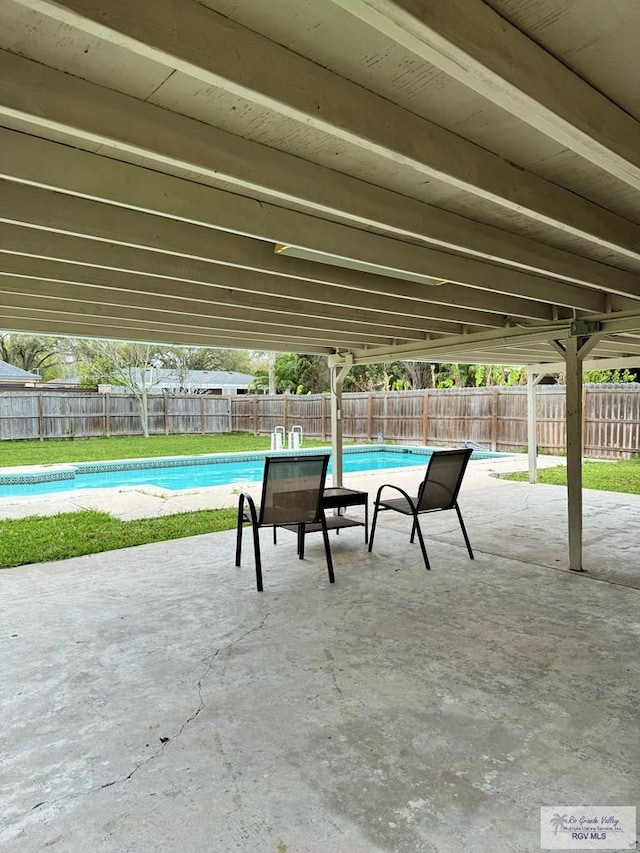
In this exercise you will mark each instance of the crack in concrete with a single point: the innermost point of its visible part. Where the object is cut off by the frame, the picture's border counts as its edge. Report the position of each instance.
(210, 661)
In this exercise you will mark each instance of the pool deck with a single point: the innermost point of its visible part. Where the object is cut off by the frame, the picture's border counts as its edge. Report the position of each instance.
(149, 501)
(154, 701)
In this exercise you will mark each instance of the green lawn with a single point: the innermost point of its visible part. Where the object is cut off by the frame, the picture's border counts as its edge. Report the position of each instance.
(130, 447)
(622, 476)
(38, 539)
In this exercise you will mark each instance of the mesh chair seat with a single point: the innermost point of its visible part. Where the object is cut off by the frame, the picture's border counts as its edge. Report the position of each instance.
(400, 505)
(438, 492)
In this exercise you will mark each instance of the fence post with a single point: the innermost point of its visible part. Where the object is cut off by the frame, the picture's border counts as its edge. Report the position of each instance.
(284, 412)
(165, 408)
(254, 408)
(202, 421)
(369, 417)
(230, 416)
(494, 419)
(40, 417)
(425, 417)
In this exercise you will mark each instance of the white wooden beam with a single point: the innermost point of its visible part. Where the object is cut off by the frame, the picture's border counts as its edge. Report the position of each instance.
(99, 262)
(449, 302)
(523, 356)
(127, 128)
(228, 212)
(476, 46)
(205, 321)
(54, 323)
(502, 340)
(48, 278)
(32, 292)
(35, 207)
(218, 52)
(499, 340)
(613, 363)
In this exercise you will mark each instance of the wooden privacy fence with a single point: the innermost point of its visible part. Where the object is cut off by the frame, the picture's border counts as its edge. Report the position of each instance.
(63, 415)
(493, 417)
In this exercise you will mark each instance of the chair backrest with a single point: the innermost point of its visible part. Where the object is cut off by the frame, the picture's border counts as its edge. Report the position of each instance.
(440, 487)
(292, 489)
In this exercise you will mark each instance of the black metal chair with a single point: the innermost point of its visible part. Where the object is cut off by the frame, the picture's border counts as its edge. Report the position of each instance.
(438, 491)
(292, 490)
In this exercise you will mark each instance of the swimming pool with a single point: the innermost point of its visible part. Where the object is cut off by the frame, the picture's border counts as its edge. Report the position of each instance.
(192, 472)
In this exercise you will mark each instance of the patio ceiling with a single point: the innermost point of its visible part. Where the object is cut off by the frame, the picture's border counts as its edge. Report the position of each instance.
(410, 179)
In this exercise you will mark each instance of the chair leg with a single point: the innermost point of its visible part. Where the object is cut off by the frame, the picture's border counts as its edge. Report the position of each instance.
(416, 529)
(275, 535)
(256, 551)
(327, 549)
(413, 530)
(366, 523)
(301, 532)
(252, 518)
(373, 525)
(464, 532)
(239, 526)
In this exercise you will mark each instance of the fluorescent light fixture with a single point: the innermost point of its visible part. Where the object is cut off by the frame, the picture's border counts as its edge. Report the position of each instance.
(354, 264)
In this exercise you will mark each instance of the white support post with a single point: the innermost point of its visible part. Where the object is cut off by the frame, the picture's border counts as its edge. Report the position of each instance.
(533, 378)
(576, 349)
(574, 451)
(532, 432)
(339, 369)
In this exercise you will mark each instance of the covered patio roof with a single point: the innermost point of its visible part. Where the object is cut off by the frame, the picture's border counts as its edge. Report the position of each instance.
(446, 181)
(364, 179)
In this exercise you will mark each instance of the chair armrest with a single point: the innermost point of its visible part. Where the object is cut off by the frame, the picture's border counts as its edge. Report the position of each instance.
(251, 515)
(404, 494)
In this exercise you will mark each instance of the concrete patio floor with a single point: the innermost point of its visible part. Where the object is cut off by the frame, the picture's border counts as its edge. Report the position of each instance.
(154, 701)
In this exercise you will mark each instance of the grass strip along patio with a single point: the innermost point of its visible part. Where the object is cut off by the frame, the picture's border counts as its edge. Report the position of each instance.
(622, 476)
(39, 539)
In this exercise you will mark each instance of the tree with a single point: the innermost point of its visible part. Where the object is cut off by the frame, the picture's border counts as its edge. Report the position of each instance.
(597, 376)
(271, 376)
(313, 374)
(500, 374)
(41, 355)
(99, 370)
(184, 359)
(420, 374)
(292, 373)
(132, 366)
(384, 376)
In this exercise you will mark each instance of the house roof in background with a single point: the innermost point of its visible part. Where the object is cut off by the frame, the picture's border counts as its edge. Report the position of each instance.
(213, 378)
(11, 373)
(384, 178)
(199, 378)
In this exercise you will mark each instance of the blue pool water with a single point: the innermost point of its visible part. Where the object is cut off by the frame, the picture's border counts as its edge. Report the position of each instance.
(176, 474)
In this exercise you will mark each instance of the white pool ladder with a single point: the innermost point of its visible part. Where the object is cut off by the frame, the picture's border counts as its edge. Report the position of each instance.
(277, 438)
(295, 438)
